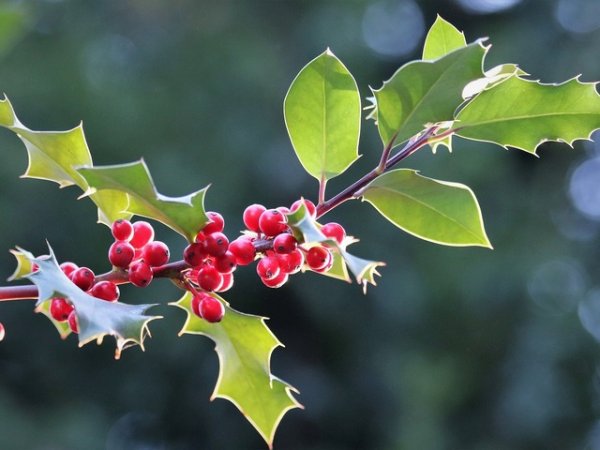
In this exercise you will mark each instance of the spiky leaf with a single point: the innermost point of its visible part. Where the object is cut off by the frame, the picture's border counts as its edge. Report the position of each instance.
(24, 264)
(442, 38)
(96, 318)
(437, 211)
(322, 115)
(523, 113)
(53, 156)
(244, 345)
(423, 92)
(185, 214)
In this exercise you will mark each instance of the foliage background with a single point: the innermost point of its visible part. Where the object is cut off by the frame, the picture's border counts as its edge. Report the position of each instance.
(456, 348)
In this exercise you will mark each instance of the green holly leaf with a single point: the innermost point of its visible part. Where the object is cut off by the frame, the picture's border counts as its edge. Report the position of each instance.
(96, 318)
(185, 215)
(322, 115)
(423, 92)
(442, 38)
(523, 113)
(244, 345)
(437, 211)
(53, 156)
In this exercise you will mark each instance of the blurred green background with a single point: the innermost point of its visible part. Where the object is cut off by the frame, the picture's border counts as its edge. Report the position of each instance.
(454, 349)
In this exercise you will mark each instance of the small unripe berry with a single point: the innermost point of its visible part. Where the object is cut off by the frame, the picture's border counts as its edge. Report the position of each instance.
(211, 309)
(284, 243)
(60, 309)
(227, 282)
(272, 222)
(120, 254)
(105, 290)
(251, 216)
(156, 253)
(194, 254)
(142, 234)
(319, 259)
(310, 207)
(268, 268)
(122, 230)
(216, 223)
(225, 263)
(276, 282)
(216, 244)
(68, 267)
(83, 277)
(244, 250)
(292, 262)
(334, 231)
(140, 274)
(73, 325)
(209, 278)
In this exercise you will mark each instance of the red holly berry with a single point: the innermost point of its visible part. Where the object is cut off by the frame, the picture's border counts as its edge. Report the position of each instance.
(244, 250)
(276, 282)
(60, 309)
(68, 267)
(194, 254)
(211, 309)
(268, 268)
(120, 254)
(216, 244)
(209, 278)
(292, 262)
(319, 259)
(227, 282)
(142, 234)
(226, 263)
(272, 222)
(216, 223)
(310, 206)
(284, 243)
(122, 230)
(156, 253)
(334, 231)
(83, 277)
(105, 290)
(140, 274)
(73, 322)
(196, 299)
(34, 267)
(251, 216)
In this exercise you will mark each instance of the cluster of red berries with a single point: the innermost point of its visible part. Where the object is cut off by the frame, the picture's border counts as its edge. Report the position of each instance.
(134, 250)
(212, 258)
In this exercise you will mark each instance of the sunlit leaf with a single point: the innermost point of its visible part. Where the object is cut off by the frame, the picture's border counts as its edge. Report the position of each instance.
(185, 214)
(244, 345)
(53, 156)
(437, 211)
(322, 115)
(492, 77)
(423, 92)
(442, 38)
(523, 114)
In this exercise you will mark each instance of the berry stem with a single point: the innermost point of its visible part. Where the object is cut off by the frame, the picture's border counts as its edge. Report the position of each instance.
(354, 189)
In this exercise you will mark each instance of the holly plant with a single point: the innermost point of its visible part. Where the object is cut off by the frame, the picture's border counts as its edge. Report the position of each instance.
(426, 103)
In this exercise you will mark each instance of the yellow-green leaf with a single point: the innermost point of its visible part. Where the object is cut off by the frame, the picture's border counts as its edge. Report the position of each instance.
(442, 38)
(437, 211)
(244, 345)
